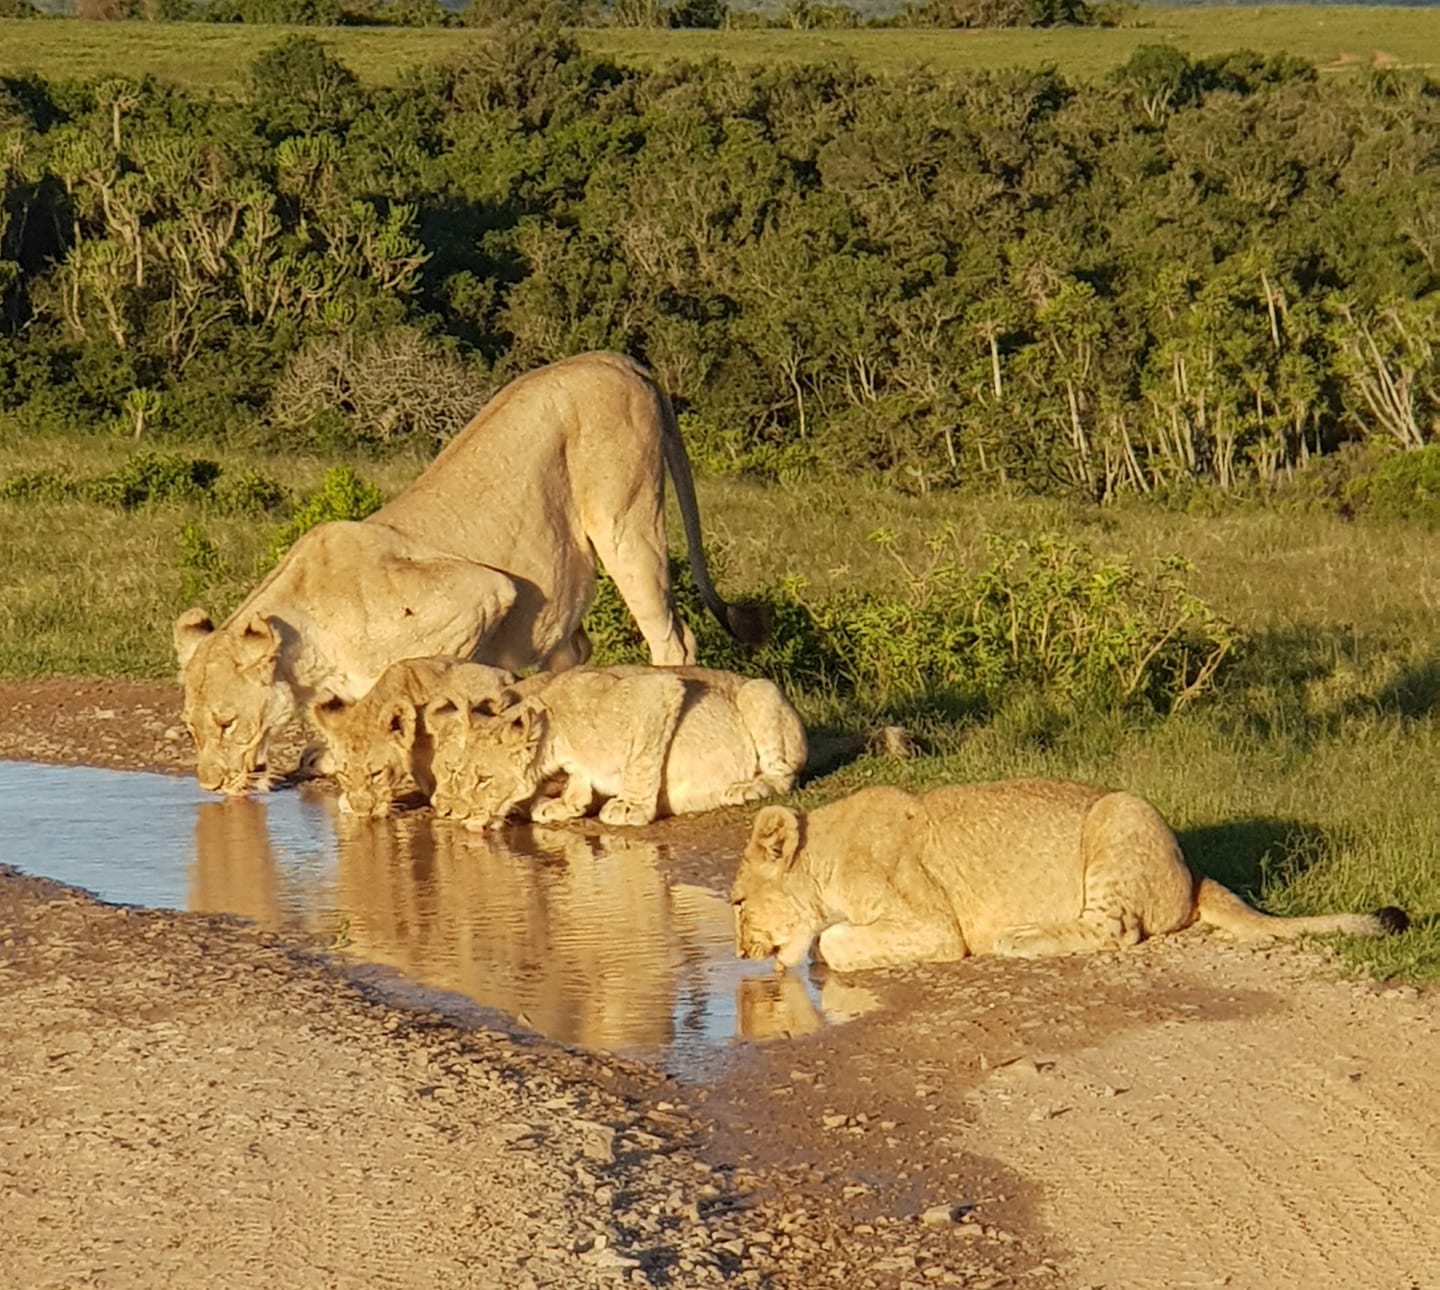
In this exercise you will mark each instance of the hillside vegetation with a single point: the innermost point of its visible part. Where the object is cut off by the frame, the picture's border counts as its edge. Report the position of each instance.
(1194, 273)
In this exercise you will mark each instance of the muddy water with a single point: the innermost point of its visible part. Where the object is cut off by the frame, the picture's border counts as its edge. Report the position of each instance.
(584, 939)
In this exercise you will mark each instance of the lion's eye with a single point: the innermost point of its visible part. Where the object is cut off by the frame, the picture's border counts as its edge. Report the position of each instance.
(225, 724)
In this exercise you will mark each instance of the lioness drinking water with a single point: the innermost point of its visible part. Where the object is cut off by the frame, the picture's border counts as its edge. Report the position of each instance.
(1019, 867)
(645, 741)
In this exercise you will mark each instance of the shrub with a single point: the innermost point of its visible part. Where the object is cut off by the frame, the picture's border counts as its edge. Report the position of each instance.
(153, 477)
(251, 492)
(200, 561)
(342, 495)
(1406, 486)
(399, 384)
(37, 486)
(1044, 614)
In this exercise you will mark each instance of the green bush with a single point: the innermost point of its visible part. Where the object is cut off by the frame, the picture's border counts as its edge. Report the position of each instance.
(201, 563)
(342, 495)
(251, 492)
(37, 486)
(1045, 615)
(1406, 486)
(153, 477)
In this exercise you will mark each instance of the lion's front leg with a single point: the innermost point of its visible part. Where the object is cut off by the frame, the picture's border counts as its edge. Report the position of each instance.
(889, 942)
(573, 801)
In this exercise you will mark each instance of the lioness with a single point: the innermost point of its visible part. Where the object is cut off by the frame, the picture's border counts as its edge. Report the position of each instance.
(489, 555)
(651, 741)
(1020, 867)
(383, 741)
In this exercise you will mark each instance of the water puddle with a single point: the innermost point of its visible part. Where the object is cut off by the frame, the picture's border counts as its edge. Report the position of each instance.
(587, 940)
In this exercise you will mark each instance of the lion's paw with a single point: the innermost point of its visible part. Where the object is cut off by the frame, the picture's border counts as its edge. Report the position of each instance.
(747, 790)
(1026, 941)
(553, 810)
(619, 812)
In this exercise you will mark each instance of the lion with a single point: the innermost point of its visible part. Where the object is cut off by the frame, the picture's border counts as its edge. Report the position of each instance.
(648, 741)
(1026, 868)
(489, 555)
(382, 743)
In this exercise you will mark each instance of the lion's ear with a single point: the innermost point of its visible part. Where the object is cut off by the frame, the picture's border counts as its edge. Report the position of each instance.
(523, 723)
(494, 705)
(327, 709)
(259, 646)
(192, 627)
(400, 724)
(776, 835)
(445, 713)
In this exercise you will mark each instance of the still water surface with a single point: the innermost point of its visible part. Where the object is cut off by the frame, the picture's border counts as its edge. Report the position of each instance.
(587, 940)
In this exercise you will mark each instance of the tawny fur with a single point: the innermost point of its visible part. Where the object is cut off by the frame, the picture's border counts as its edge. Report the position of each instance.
(644, 741)
(1026, 868)
(490, 555)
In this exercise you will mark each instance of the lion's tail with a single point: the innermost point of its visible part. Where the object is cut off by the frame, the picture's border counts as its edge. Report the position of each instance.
(1222, 908)
(748, 624)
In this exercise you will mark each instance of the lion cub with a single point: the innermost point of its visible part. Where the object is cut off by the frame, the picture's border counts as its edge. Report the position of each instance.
(1020, 867)
(650, 741)
(382, 742)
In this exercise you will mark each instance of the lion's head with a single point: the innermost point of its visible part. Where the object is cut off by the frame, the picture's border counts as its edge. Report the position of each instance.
(371, 751)
(233, 699)
(487, 757)
(776, 904)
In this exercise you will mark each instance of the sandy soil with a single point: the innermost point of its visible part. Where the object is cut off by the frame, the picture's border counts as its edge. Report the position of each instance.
(187, 1101)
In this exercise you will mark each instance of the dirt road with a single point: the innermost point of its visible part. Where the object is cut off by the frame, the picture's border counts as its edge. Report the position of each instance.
(186, 1101)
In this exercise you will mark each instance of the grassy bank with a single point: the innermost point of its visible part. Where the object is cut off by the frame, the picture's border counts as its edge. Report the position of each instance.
(217, 57)
(1303, 779)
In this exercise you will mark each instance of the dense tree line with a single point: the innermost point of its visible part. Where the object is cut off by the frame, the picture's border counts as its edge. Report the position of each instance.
(1201, 271)
(804, 15)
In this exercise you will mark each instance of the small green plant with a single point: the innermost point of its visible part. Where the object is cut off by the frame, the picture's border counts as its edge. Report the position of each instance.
(200, 561)
(342, 495)
(252, 492)
(37, 486)
(1044, 615)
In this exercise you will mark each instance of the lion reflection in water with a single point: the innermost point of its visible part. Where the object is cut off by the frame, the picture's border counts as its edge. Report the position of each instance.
(235, 869)
(778, 1006)
(583, 939)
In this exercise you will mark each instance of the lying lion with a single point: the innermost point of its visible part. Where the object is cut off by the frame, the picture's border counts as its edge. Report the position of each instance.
(382, 743)
(649, 741)
(1021, 867)
(489, 555)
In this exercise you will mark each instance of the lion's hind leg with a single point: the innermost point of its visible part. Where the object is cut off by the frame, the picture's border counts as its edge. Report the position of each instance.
(651, 705)
(1094, 930)
(778, 737)
(1136, 884)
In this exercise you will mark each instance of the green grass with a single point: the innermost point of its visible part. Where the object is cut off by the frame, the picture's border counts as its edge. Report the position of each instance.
(1305, 781)
(217, 57)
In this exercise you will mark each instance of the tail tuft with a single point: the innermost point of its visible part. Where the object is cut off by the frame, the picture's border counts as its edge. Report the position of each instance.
(749, 624)
(1392, 920)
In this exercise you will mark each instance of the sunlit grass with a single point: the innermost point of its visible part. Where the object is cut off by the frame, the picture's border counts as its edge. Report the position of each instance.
(216, 57)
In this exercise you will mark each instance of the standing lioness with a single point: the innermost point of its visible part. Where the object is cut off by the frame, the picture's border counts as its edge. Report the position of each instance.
(489, 555)
(1020, 867)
